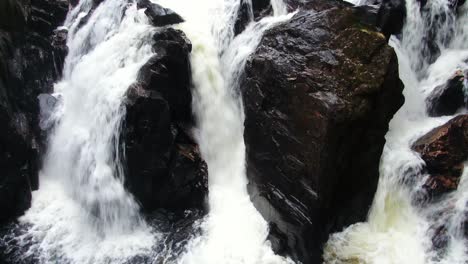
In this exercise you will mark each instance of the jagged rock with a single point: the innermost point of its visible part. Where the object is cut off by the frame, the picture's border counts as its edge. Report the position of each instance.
(47, 15)
(28, 67)
(164, 166)
(446, 99)
(444, 149)
(261, 8)
(318, 93)
(158, 15)
(18, 163)
(244, 17)
(14, 14)
(391, 16)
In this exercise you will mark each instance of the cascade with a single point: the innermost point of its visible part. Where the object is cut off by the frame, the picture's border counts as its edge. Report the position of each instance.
(82, 213)
(234, 232)
(399, 226)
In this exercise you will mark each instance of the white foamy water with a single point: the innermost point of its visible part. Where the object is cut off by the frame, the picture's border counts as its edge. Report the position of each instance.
(398, 230)
(233, 232)
(81, 212)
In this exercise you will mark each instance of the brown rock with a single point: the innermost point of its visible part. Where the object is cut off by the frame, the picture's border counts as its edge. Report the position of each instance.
(164, 168)
(318, 93)
(445, 148)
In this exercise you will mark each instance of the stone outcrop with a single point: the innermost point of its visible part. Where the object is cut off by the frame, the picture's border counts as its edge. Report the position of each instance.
(444, 150)
(318, 92)
(164, 166)
(29, 64)
(447, 98)
(159, 16)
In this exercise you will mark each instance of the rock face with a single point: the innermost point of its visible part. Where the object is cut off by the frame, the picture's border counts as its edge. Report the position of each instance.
(164, 167)
(318, 92)
(29, 64)
(444, 149)
(391, 16)
(158, 15)
(447, 98)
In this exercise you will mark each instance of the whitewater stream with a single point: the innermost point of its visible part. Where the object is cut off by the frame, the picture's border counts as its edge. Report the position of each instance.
(82, 213)
(400, 226)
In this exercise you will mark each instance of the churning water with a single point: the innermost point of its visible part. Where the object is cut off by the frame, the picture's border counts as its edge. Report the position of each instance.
(82, 213)
(234, 232)
(399, 229)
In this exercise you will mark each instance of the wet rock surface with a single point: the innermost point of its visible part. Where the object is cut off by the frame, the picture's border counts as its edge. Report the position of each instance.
(158, 15)
(318, 92)
(29, 64)
(446, 99)
(164, 166)
(391, 16)
(444, 150)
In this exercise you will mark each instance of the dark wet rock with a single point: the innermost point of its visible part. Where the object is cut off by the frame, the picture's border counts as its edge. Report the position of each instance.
(446, 99)
(261, 8)
(60, 48)
(158, 15)
(440, 238)
(47, 15)
(436, 185)
(244, 17)
(444, 149)
(318, 92)
(164, 165)
(73, 3)
(391, 16)
(18, 163)
(14, 14)
(29, 65)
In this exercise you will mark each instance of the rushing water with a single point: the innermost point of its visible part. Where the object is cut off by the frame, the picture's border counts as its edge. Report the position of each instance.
(399, 227)
(234, 232)
(82, 213)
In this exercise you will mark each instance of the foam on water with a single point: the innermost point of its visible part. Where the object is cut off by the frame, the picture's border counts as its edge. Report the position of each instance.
(81, 212)
(234, 232)
(399, 229)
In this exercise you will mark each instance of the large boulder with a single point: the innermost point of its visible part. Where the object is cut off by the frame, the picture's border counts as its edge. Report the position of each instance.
(444, 150)
(28, 67)
(159, 16)
(387, 15)
(164, 165)
(447, 98)
(319, 93)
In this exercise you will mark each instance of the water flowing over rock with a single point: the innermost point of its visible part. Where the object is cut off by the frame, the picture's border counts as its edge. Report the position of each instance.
(446, 99)
(164, 167)
(319, 92)
(158, 15)
(29, 64)
(444, 149)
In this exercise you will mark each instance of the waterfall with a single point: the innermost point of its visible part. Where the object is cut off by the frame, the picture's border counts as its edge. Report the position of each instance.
(234, 232)
(82, 213)
(398, 229)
